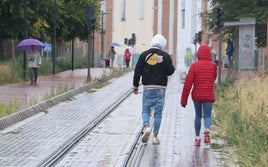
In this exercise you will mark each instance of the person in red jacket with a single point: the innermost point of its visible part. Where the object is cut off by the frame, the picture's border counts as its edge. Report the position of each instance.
(200, 82)
(127, 56)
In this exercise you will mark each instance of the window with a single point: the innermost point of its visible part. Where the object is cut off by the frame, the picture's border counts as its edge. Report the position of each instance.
(183, 14)
(123, 10)
(183, 18)
(142, 8)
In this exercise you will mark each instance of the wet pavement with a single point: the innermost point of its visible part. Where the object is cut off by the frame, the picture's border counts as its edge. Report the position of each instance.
(176, 133)
(177, 136)
(30, 141)
(24, 94)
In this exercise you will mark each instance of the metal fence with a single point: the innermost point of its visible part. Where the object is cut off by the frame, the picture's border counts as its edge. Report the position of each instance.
(62, 50)
(260, 59)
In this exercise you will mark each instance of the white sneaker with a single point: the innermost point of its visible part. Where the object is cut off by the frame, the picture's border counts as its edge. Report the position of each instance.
(146, 135)
(155, 141)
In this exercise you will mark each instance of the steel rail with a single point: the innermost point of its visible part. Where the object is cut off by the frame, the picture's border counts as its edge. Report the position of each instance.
(63, 149)
(137, 149)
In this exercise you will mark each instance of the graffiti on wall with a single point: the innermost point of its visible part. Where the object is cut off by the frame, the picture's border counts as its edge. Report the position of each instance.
(245, 61)
(246, 56)
(188, 57)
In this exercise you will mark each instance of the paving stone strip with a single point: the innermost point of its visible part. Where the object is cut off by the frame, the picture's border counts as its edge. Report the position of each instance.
(68, 77)
(30, 143)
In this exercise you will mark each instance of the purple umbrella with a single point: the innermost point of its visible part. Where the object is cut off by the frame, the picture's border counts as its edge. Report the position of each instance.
(27, 43)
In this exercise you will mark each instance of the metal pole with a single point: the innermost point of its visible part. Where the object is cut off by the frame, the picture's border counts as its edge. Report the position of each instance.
(72, 54)
(102, 35)
(25, 36)
(91, 26)
(89, 53)
(220, 63)
(54, 38)
(92, 49)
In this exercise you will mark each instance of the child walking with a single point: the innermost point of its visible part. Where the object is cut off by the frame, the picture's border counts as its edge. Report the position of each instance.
(200, 81)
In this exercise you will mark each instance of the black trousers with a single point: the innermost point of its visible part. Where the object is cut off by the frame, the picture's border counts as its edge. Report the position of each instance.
(33, 74)
(107, 64)
(127, 62)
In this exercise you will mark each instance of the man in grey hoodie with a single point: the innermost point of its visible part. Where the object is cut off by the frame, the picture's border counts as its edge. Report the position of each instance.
(154, 66)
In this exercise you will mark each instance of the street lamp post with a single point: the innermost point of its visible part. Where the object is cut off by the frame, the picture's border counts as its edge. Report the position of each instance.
(89, 54)
(220, 24)
(102, 33)
(220, 64)
(25, 36)
(54, 39)
(91, 27)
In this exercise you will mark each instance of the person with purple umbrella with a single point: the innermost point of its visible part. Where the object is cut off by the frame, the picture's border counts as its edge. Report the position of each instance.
(34, 62)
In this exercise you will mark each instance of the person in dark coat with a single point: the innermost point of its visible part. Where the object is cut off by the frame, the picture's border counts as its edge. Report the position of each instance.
(200, 82)
(154, 66)
(229, 51)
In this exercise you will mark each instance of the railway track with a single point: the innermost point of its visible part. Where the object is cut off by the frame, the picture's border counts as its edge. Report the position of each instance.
(135, 149)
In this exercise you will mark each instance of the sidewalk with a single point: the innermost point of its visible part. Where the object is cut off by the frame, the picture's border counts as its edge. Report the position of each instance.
(25, 94)
(28, 143)
(110, 144)
(177, 136)
(31, 99)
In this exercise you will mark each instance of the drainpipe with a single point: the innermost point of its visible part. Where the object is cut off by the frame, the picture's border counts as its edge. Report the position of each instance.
(159, 21)
(171, 28)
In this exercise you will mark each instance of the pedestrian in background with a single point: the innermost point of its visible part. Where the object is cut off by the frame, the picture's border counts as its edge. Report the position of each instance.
(107, 62)
(127, 56)
(111, 56)
(154, 66)
(200, 81)
(34, 62)
(229, 51)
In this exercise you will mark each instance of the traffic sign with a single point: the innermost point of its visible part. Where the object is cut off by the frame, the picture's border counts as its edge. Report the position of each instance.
(47, 47)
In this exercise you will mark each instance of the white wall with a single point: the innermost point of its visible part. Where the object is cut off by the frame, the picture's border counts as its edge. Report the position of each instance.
(192, 26)
(143, 29)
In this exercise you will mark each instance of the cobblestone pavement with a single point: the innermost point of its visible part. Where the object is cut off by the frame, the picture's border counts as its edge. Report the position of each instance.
(110, 143)
(25, 94)
(30, 141)
(177, 136)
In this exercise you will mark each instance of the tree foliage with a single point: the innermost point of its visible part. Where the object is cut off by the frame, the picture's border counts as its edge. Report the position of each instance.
(37, 17)
(235, 10)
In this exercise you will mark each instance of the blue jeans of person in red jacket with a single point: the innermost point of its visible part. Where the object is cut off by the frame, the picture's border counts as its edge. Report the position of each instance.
(205, 109)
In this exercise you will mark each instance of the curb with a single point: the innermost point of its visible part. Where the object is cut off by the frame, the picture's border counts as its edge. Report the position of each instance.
(41, 107)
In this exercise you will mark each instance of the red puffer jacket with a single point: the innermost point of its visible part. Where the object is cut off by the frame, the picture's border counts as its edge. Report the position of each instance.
(200, 78)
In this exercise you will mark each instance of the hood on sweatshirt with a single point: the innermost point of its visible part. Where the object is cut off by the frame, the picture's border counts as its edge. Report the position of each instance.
(204, 52)
(158, 41)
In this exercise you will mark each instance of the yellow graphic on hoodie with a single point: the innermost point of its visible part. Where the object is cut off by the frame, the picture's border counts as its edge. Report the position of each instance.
(154, 59)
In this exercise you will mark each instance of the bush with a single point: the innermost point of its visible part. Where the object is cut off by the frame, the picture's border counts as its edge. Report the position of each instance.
(242, 118)
(9, 73)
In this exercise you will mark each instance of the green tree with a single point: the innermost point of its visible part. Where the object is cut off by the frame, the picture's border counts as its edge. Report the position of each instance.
(11, 21)
(37, 16)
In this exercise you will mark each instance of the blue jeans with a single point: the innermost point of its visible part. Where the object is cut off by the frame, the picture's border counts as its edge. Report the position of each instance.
(206, 108)
(153, 98)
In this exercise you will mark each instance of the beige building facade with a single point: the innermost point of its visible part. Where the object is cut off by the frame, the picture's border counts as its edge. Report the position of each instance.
(144, 18)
